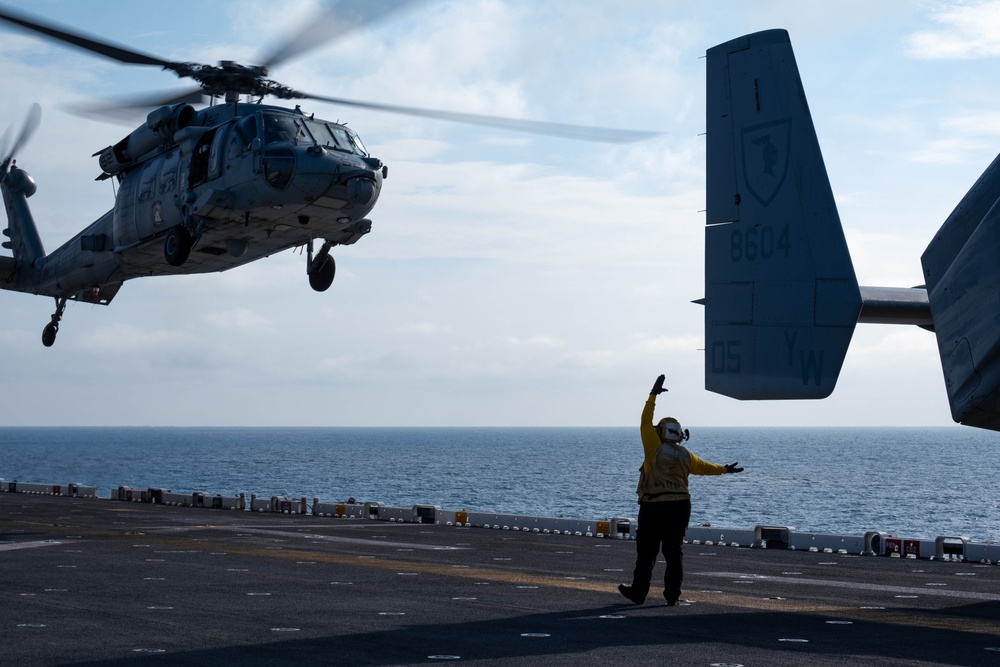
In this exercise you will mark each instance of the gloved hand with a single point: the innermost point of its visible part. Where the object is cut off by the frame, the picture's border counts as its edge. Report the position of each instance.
(733, 467)
(658, 387)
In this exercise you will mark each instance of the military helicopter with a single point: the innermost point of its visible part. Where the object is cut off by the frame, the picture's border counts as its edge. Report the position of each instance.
(210, 189)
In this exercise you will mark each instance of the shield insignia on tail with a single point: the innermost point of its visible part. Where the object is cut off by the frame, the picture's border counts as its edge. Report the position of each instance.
(765, 158)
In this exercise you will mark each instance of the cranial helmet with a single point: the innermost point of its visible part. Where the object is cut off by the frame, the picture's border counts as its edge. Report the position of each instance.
(669, 430)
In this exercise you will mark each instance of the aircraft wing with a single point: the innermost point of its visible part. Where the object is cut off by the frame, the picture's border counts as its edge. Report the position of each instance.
(962, 274)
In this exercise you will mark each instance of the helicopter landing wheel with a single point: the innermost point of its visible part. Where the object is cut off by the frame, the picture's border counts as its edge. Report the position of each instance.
(177, 246)
(52, 328)
(49, 334)
(321, 279)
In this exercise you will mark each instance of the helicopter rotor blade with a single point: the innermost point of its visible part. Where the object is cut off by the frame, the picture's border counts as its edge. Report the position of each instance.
(331, 23)
(563, 130)
(100, 47)
(231, 77)
(134, 108)
(31, 122)
(4, 140)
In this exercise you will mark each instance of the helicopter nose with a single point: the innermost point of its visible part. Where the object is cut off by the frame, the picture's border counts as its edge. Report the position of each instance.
(352, 179)
(346, 183)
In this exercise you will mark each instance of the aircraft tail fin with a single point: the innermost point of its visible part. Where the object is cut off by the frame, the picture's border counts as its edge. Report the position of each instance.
(21, 233)
(781, 296)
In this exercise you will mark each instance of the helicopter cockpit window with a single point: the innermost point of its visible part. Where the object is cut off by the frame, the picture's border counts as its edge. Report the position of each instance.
(356, 141)
(321, 133)
(280, 128)
(147, 186)
(246, 131)
(336, 136)
(279, 166)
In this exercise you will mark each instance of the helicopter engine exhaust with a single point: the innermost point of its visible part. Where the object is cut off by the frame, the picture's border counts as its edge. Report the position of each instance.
(161, 125)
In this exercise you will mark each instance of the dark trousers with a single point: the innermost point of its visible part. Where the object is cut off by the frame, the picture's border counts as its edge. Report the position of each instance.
(661, 527)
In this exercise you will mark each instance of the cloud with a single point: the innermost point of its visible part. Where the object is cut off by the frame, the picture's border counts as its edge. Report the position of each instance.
(654, 345)
(968, 30)
(535, 341)
(426, 328)
(982, 123)
(943, 151)
(240, 318)
(886, 259)
(884, 348)
(127, 339)
(964, 137)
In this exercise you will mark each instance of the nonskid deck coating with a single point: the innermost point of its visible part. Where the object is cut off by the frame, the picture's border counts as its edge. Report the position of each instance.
(86, 581)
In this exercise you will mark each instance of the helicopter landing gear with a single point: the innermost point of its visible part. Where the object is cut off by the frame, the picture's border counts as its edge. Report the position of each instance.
(52, 328)
(322, 268)
(177, 245)
(321, 279)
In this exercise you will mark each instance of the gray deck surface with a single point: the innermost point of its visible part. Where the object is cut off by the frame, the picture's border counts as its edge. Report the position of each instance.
(86, 581)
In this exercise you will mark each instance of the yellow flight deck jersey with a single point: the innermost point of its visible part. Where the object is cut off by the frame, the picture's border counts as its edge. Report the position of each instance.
(664, 473)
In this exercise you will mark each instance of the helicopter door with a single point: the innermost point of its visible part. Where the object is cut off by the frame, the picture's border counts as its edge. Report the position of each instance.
(124, 224)
(157, 187)
(147, 191)
(168, 174)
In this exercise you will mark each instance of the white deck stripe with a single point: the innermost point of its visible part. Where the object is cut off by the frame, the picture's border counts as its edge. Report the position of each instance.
(909, 590)
(14, 546)
(342, 540)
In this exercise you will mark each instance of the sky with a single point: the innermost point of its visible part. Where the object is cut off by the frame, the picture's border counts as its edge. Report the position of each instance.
(508, 279)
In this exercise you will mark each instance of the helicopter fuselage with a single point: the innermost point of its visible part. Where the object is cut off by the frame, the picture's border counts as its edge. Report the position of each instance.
(240, 181)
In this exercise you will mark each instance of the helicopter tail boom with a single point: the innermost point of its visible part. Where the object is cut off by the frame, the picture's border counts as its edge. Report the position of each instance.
(65, 275)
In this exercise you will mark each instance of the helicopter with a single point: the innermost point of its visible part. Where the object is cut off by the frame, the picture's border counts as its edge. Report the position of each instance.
(209, 189)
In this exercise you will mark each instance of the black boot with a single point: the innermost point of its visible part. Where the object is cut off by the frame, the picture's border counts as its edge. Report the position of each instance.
(632, 595)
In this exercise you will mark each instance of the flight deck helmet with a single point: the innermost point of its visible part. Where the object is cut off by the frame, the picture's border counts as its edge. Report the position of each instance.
(669, 430)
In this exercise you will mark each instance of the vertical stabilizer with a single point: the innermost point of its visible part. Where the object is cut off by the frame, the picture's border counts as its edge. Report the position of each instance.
(781, 297)
(21, 233)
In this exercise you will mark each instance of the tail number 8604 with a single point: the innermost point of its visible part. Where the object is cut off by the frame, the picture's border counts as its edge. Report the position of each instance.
(758, 242)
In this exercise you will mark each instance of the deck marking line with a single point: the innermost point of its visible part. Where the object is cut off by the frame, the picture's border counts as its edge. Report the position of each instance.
(909, 590)
(14, 546)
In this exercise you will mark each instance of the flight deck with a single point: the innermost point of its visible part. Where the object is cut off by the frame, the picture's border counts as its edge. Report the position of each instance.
(93, 581)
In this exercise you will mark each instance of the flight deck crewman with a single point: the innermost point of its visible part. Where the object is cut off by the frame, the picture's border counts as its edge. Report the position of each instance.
(664, 500)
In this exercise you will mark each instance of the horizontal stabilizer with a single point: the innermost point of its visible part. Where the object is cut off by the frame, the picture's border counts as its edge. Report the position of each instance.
(781, 296)
(8, 265)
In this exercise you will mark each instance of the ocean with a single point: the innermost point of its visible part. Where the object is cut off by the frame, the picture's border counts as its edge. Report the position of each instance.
(912, 482)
